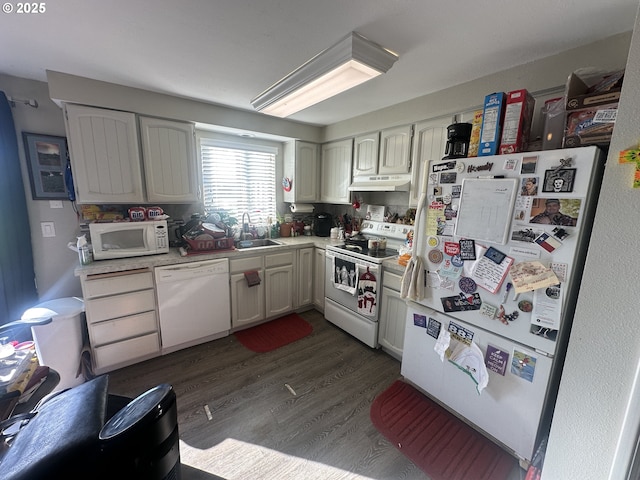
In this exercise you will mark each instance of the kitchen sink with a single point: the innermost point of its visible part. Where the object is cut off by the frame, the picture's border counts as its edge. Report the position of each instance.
(263, 242)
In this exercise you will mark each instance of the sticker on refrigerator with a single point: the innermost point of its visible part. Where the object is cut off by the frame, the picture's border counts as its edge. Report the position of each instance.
(448, 177)
(559, 181)
(467, 249)
(450, 269)
(548, 242)
(433, 328)
(529, 165)
(460, 333)
(435, 218)
(488, 310)
(523, 365)
(419, 320)
(510, 164)
(496, 360)
(529, 186)
(560, 269)
(460, 303)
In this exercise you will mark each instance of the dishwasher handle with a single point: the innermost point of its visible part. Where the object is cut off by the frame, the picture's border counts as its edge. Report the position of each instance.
(184, 271)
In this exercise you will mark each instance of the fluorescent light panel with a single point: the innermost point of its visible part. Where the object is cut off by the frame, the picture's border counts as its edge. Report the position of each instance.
(350, 62)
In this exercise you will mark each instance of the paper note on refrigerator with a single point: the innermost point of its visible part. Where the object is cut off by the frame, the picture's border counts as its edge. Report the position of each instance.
(528, 276)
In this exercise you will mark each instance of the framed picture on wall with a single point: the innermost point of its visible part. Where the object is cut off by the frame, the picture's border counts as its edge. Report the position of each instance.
(46, 161)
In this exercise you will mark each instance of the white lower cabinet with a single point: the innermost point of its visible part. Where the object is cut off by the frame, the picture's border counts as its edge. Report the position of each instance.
(393, 310)
(278, 280)
(247, 303)
(273, 297)
(304, 275)
(121, 318)
(318, 278)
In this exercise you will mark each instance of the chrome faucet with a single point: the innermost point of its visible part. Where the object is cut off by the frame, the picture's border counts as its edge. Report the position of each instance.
(245, 227)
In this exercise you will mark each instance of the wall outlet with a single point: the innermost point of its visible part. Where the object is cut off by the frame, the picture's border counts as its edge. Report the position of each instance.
(55, 203)
(48, 229)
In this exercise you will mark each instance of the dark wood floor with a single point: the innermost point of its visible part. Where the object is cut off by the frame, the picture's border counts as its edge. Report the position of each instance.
(298, 412)
(301, 411)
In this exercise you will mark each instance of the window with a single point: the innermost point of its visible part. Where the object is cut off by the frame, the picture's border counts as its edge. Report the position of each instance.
(238, 178)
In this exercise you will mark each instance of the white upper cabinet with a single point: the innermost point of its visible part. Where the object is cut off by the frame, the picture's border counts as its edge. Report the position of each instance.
(107, 166)
(365, 154)
(383, 153)
(302, 168)
(170, 164)
(336, 171)
(105, 155)
(395, 150)
(429, 144)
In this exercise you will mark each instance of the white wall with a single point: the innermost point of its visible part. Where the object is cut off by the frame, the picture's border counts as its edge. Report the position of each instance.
(537, 77)
(53, 261)
(604, 349)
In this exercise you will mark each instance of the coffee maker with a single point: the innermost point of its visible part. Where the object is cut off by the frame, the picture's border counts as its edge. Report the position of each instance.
(458, 136)
(323, 223)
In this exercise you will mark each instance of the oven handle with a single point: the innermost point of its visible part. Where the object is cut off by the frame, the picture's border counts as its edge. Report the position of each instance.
(348, 258)
(361, 265)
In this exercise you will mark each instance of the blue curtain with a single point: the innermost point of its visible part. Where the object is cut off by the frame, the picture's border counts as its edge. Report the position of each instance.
(17, 277)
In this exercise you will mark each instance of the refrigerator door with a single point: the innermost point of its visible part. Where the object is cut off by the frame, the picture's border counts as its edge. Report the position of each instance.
(508, 409)
(458, 206)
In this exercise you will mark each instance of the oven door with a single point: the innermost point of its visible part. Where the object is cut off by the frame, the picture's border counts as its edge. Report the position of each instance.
(353, 305)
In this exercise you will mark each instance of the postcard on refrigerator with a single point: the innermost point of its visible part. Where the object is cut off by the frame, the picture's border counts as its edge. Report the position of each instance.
(523, 364)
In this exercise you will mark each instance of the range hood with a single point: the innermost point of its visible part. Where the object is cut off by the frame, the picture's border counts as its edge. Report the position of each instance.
(381, 183)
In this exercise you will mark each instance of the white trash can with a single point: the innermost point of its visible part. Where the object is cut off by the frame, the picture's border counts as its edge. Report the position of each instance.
(59, 343)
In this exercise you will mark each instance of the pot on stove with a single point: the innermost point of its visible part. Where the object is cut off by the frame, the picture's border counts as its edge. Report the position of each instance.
(358, 240)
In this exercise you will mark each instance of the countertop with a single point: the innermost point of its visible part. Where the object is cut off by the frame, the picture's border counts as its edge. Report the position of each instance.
(174, 257)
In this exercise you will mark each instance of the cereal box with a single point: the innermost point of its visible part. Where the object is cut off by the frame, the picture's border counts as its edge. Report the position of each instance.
(492, 117)
(517, 121)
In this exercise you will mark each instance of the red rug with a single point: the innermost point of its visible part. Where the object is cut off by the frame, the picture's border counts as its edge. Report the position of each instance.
(443, 446)
(274, 334)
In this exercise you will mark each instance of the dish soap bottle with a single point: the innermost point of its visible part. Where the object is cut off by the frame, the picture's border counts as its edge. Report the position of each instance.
(84, 252)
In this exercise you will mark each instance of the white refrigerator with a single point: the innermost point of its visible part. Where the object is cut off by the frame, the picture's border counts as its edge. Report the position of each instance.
(499, 246)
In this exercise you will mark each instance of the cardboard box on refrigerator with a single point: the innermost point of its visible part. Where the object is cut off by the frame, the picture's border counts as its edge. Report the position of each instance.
(492, 117)
(591, 91)
(516, 126)
(474, 139)
(590, 126)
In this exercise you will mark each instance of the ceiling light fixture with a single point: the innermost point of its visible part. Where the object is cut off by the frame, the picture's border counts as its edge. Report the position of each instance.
(350, 62)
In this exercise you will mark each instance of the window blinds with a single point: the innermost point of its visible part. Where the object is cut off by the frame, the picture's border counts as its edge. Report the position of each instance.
(239, 178)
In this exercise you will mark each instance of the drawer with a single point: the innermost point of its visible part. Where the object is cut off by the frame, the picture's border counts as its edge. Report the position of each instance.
(108, 308)
(391, 280)
(239, 265)
(277, 259)
(126, 351)
(113, 284)
(111, 331)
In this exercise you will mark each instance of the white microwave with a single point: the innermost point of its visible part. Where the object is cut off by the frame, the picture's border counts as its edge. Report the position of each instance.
(128, 239)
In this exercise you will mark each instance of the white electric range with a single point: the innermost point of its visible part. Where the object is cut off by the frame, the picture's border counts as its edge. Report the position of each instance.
(353, 278)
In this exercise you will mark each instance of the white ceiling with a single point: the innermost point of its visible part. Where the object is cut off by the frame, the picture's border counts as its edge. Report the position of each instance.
(228, 51)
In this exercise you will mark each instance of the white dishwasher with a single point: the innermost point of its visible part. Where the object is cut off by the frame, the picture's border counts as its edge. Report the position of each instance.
(193, 303)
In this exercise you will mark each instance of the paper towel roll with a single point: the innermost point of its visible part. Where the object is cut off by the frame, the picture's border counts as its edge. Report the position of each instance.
(301, 208)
